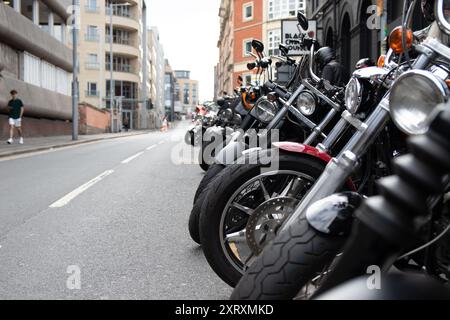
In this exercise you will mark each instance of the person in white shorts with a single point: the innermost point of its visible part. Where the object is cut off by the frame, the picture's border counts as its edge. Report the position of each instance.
(16, 110)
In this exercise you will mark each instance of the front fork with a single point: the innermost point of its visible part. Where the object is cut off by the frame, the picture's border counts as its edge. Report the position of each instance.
(341, 168)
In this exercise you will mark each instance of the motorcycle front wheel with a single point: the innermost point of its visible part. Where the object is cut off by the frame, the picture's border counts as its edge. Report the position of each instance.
(194, 217)
(244, 207)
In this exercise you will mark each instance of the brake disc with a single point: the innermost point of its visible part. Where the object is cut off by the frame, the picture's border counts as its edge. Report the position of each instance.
(263, 224)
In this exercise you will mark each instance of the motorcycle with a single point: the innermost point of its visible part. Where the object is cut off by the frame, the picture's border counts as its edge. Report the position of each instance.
(245, 206)
(408, 224)
(418, 87)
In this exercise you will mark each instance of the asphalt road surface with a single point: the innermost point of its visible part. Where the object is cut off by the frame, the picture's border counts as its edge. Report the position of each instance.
(105, 220)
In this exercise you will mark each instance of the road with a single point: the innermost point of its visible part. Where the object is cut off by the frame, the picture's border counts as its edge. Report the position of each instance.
(109, 217)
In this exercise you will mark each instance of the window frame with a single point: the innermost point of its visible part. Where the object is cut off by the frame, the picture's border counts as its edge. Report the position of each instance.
(244, 11)
(244, 47)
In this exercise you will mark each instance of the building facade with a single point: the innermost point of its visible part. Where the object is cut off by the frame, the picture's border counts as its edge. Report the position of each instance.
(36, 61)
(241, 21)
(157, 71)
(169, 92)
(354, 27)
(187, 91)
(127, 20)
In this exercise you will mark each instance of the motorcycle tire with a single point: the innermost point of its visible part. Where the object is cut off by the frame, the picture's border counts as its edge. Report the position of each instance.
(212, 172)
(217, 195)
(194, 217)
(288, 264)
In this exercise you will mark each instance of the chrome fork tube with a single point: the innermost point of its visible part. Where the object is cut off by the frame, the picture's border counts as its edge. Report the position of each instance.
(318, 130)
(333, 136)
(340, 168)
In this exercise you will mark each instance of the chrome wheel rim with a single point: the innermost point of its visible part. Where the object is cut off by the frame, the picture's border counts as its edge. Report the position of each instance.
(266, 187)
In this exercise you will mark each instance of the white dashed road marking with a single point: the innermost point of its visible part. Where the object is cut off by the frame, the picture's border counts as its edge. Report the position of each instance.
(128, 160)
(75, 193)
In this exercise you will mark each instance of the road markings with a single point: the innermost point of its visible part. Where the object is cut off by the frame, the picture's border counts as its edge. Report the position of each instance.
(161, 142)
(151, 147)
(132, 157)
(75, 193)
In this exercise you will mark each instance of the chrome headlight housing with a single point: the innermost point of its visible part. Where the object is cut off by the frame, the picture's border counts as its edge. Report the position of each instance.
(413, 98)
(353, 95)
(307, 103)
(264, 110)
(226, 115)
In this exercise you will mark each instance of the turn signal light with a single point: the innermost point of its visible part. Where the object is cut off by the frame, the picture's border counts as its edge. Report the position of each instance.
(246, 104)
(395, 40)
(381, 61)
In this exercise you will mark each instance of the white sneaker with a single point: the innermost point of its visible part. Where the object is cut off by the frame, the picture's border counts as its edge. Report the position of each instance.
(21, 141)
(10, 141)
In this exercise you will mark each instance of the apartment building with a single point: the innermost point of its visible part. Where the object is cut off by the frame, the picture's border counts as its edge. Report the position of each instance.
(36, 61)
(126, 20)
(157, 65)
(187, 90)
(169, 91)
(241, 21)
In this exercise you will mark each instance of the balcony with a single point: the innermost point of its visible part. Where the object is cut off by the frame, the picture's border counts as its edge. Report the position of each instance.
(92, 93)
(92, 65)
(91, 9)
(120, 68)
(92, 37)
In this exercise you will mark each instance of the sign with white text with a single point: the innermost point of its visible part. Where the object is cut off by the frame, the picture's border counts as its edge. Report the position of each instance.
(290, 31)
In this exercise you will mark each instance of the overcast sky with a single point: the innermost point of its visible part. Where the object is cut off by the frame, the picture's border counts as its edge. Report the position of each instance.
(189, 30)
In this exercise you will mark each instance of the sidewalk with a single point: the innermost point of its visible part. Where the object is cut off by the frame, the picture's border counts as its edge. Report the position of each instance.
(47, 143)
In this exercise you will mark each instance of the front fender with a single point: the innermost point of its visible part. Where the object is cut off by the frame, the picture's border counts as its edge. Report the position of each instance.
(294, 147)
(232, 151)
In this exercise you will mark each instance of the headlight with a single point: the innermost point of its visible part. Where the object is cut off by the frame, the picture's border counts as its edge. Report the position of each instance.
(306, 103)
(264, 110)
(413, 98)
(353, 95)
(226, 115)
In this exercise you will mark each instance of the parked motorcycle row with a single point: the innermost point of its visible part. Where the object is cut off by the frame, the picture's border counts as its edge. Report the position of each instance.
(361, 182)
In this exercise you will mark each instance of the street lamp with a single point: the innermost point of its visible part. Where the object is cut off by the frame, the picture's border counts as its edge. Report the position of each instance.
(75, 86)
(111, 56)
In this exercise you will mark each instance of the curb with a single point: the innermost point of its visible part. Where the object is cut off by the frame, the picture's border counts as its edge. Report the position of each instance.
(68, 144)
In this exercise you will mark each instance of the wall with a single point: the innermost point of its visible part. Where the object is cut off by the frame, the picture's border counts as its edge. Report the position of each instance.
(34, 127)
(93, 120)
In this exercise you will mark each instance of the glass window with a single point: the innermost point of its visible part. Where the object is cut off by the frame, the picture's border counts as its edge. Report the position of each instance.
(274, 40)
(247, 48)
(280, 9)
(247, 11)
(91, 89)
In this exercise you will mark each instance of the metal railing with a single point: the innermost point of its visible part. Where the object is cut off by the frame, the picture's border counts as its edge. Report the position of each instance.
(120, 67)
(92, 37)
(92, 65)
(92, 93)
(89, 8)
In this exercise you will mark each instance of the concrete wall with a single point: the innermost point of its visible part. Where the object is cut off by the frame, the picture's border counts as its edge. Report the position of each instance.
(33, 127)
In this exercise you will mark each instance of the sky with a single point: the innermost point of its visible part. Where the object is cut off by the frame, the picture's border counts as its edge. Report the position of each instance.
(189, 30)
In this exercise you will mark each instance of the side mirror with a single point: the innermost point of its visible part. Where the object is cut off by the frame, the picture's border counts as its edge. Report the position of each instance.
(442, 13)
(302, 21)
(284, 50)
(258, 46)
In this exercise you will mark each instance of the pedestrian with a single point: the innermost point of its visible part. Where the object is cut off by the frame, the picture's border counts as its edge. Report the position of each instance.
(332, 70)
(16, 110)
(126, 123)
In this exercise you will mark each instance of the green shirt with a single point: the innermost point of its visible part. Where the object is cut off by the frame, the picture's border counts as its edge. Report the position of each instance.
(16, 107)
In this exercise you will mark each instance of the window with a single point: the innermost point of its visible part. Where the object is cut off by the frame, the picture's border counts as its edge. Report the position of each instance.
(91, 6)
(274, 40)
(247, 79)
(247, 11)
(280, 9)
(92, 61)
(45, 75)
(186, 94)
(92, 33)
(91, 89)
(247, 47)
